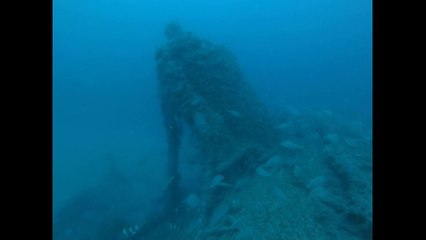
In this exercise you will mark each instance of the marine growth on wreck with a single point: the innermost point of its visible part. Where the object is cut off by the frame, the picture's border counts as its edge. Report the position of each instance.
(264, 176)
(293, 174)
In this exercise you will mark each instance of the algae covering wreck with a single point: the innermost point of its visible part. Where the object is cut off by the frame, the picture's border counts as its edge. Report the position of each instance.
(296, 174)
(264, 176)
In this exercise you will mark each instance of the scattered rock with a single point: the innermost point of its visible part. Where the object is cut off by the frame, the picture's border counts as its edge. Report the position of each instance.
(283, 126)
(291, 146)
(275, 161)
(262, 172)
(192, 201)
(216, 180)
(316, 182)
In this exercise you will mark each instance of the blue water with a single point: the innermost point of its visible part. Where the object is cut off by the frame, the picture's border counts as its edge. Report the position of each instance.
(304, 54)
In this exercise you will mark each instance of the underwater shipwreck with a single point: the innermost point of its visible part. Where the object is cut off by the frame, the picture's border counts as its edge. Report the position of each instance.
(292, 175)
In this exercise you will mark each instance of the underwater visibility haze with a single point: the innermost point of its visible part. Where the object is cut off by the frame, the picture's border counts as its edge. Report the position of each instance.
(202, 119)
